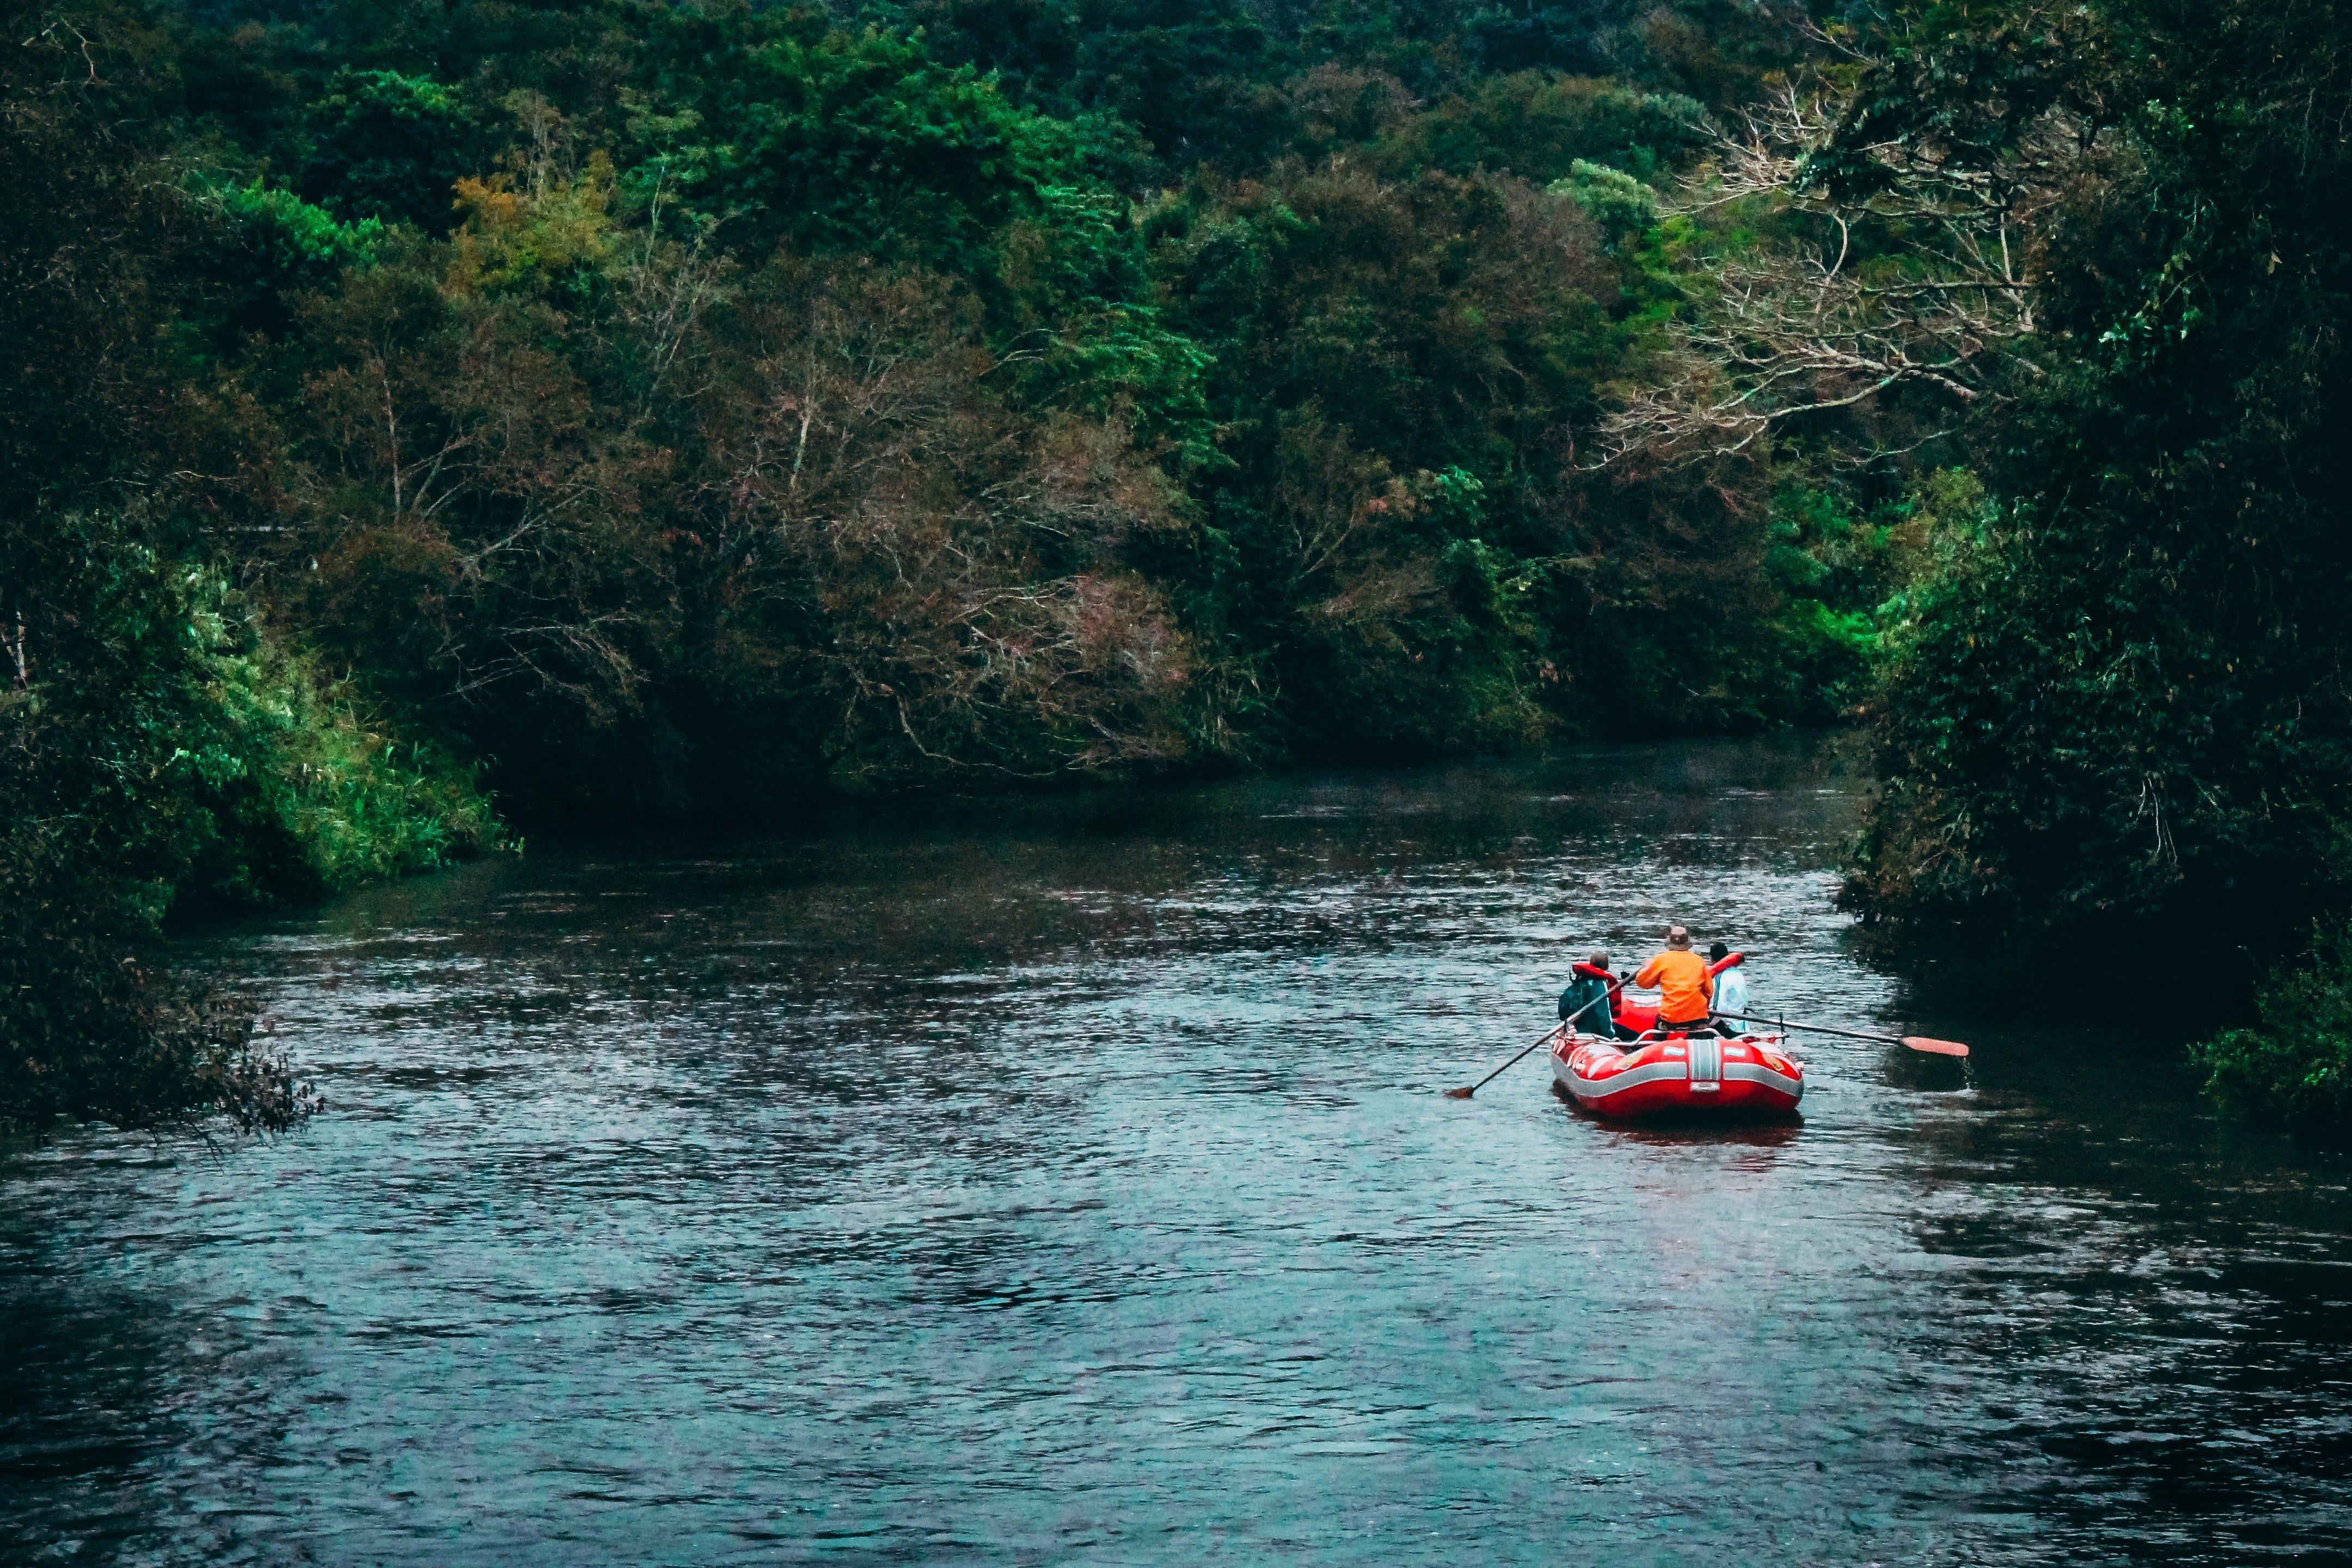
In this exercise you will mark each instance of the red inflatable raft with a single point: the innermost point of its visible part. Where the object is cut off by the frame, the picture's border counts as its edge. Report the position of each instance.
(1666, 1072)
(1747, 1075)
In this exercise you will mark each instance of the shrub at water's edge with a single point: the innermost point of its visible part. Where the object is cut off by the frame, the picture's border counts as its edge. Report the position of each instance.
(157, 745)
(2295, 1062)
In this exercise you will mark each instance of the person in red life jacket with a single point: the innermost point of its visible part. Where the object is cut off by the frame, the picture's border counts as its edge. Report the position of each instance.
(1584, 995)
(1686, 991)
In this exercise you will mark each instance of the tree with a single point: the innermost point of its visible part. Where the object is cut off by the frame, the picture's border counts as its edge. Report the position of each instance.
(2094, 236)
(388, 146)
(153, 740)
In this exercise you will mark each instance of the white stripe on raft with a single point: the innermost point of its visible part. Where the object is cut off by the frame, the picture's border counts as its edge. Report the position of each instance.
(1757, 1072)
(1632, 1078)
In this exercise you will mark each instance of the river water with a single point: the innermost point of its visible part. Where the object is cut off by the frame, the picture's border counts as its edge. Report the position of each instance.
(1072, 1184)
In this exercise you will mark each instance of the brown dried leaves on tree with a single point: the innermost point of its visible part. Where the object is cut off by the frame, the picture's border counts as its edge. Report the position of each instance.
(943, 564)
(1882, 262)
(807, 493)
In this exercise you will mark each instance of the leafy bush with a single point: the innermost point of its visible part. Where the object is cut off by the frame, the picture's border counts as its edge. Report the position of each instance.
(312, 790)
(388, 146)
(2296, 1063)
(1539, 126)
(295, 241)
(1615, 200)
(153, 745)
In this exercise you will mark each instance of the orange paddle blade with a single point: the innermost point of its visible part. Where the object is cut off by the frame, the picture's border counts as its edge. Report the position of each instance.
(1939, 1048)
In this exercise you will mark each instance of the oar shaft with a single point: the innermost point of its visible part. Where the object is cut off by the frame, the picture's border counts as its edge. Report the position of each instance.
(1548, 1036)
(1515, 1061)
(1819, 1028)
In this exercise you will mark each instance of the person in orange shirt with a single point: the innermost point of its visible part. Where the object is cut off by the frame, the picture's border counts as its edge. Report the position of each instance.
(1686, 993)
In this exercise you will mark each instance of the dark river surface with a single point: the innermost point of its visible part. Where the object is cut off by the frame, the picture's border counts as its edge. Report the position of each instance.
(1072, 1184)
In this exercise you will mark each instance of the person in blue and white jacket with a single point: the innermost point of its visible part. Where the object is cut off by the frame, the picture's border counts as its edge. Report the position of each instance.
(1730, 992)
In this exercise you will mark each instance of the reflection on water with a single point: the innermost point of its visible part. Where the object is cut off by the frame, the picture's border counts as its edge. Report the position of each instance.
(1074, 1184)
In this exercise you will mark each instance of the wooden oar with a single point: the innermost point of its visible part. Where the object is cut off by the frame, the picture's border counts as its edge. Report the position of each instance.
(1549, 1034)
(1916, 1042)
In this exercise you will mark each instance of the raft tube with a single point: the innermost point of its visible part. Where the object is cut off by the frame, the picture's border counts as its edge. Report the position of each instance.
(1748, 1075)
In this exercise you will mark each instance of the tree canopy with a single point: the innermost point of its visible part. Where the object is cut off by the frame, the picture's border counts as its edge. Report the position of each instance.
(637, 410)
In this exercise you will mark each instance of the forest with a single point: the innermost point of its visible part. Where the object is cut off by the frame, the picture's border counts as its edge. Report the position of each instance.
(428, 421)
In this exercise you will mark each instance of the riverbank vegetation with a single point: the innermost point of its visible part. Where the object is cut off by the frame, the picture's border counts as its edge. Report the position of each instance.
(2294, 1060)
(635, 411)
(638, 410)
(2108, 253)
(2121, 699)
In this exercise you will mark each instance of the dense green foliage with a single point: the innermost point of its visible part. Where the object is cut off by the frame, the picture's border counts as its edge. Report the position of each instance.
(640, 408)
(155, 742)
(177, 750)
(663, 408)
(2296, 1064)
(2097, 259)
(2120, 698)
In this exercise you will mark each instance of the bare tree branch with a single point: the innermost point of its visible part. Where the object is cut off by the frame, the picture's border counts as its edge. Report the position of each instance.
(1939, 300)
